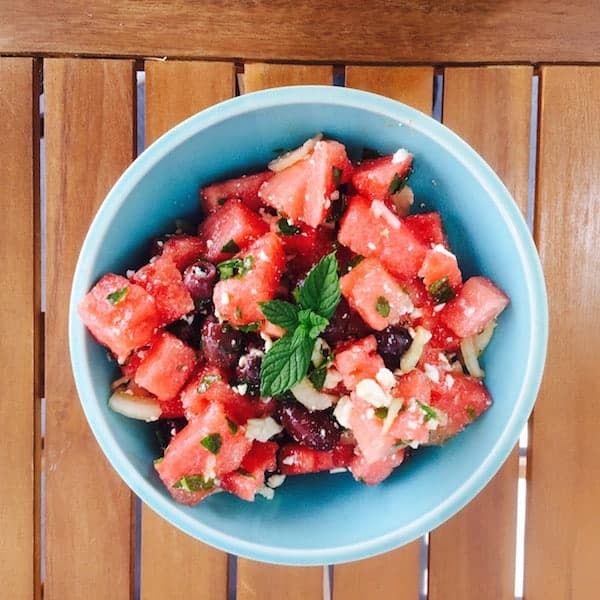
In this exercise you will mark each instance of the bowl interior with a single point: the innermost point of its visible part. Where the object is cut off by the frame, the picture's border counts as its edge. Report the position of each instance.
(308, 521)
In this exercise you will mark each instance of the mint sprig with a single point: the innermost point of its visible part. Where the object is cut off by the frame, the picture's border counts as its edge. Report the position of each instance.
(287, 362)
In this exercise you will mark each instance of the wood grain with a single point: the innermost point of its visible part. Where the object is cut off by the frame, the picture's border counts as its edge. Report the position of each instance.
(174, 91)
(394, 575)
(19, 401)
(89, 126)
(259, 581)
(472, 556)
(260, 76)
(563, 516)
(285, 30)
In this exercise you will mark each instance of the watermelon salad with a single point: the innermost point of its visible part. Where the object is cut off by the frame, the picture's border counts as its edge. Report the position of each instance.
(309, 323)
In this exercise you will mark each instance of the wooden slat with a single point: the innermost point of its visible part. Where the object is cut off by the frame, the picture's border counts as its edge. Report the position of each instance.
(395, 574)
(472, 556)
(259, 76)
(351, 31)
(563, 509)
(89, 126)
(258, 581)
(19, 172)
(174, 91)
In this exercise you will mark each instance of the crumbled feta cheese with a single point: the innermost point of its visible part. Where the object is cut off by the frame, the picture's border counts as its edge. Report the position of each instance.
(342, 411)
(400, 156)
(275, 480)
(439, 307)
(130, 273)
(209, 243)
(312, 399)
(262, 429)
(371, 391)
(332, 378)
(224, 298)
(266, 492)
(431, 372)
(263, 256)
(289, 460)
(242, 388)
(189, 319)
(385, 378)
(371, 246)
(449, 381)
(416, 313)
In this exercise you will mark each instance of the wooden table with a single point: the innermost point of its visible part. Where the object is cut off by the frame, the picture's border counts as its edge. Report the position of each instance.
(69, 528)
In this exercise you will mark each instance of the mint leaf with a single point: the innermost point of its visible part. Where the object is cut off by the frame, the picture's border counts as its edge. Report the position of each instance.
(429, 412)
(230, 247)
(336, 173)
(281, 313)
(471, 412)
(232, 426)
(194, 483)
(206, 382)
(222, 200)
(250, 327)
(235, 267)
(116, 297)
(313, 324)
(441, 290)
(321, 289)
(382, 306)
(212, 442)
(398, 182)
(317, 377)
(286, 228)
(381, 412)
(286, 363)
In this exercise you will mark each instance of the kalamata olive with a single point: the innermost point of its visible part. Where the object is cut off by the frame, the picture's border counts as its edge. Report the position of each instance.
(316, 429)
(165, 430)
(344, 323)
(248, 371)
(221, 343)
(200, 278)
(188, 330)
(392, 343)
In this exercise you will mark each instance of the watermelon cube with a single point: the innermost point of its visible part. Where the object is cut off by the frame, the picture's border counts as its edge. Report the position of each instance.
(427, 227)
(376, 179)
(119, 314)
(205, 449)
(233, 227)
(166, 366)
(439, 263)
(286, 190)
(375, 472)
(183, 250)
(244, 188)
(358, 360)
(253, 277)
(371, 229)
(476, 304)
(375, 294)
(295, 459)
(162, 280)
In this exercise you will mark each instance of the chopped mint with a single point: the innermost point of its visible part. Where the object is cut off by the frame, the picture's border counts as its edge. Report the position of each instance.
(116, 297)
(286, 228)
(212, 442)
(382, 306)
(194, 483)
(441, 290)
(230, 247)
(206, 382)
(381, 412)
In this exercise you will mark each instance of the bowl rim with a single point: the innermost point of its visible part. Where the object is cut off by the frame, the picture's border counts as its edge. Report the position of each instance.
(520, 235)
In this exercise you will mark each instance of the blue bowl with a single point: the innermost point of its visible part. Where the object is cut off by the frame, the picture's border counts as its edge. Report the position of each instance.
(323, 518)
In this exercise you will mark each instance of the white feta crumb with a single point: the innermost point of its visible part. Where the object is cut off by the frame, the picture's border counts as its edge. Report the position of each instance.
(439, 307)
(262, 429)
(416, 313)
(130, 273)
(431, 372)
(371, 391)
(385, 378)
(400, 155)
(267, 340)
(342, 411)
(266, 492)
(440, 249)
(338, 470)
(224, 298)
(449, 381)
(289, 460)
(189, 319)
(209, 243)
(311, 398)
(381, 211)
(371, 246)
(241, 389)
(263, 256)
(274, 481)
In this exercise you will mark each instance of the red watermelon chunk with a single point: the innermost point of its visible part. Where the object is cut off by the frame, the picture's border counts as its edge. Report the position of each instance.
(246, 481)
(171, 409)
(414, 384)
(295, 459)
(375, 294)
(183, 250)
(166, 366)
(367, 428)
(202, 451)
(358, 361)
(439, 263)
(375, 472)
(237, 298)
(119, 314)
(476, 304)
(162, 280)
(371, 229)
(233, 227)
(303, 191)
(463, 399)
(428, 228)
(373, 178)
(244, 188)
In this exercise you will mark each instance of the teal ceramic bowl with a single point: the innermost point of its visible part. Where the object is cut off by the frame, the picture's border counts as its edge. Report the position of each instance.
(323, 518)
